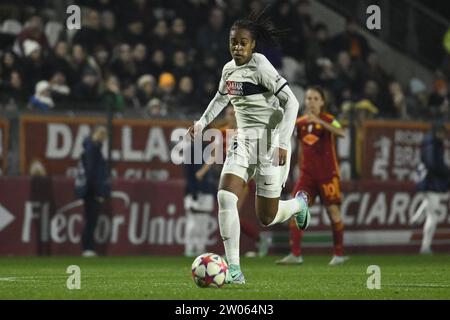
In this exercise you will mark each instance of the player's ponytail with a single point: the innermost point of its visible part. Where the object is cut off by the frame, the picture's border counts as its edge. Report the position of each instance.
(261, 28)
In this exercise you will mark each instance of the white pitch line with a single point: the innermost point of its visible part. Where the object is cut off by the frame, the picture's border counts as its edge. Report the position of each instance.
(418, 285)
(8, 279)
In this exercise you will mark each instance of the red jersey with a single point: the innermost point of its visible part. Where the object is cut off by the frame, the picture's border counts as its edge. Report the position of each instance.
(318, 157)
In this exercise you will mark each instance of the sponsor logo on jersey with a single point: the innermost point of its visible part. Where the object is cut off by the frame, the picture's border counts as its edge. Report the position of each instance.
(236, 88)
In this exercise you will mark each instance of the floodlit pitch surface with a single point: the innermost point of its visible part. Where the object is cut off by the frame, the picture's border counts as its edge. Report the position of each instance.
(402, 277)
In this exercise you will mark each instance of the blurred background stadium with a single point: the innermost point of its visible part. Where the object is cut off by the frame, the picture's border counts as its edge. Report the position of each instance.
(149, 69)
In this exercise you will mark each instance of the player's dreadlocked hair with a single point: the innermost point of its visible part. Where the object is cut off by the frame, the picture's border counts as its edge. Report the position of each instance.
(260, 27)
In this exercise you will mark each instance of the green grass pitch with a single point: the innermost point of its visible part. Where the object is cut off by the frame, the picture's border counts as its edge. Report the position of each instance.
(168, 278)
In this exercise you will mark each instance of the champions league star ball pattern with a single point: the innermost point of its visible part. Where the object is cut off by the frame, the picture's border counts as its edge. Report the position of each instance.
(209, 270)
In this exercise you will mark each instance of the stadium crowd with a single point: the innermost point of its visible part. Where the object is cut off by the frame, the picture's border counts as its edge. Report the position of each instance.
(165, 59)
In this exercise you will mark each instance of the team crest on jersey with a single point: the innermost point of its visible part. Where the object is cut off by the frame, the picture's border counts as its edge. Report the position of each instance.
(310, 139)
(235, 88)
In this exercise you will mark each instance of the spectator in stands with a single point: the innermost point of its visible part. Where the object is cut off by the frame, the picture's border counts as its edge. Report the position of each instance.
(159, 37)
(351, 41)
(435, 182)
(146, 89)
(179, 39)
(166, 90)
(86, 92)
(60, 61)
(90, 34)
(180, 67)
(60, 91)
(185, 98)
(347, 81)
(35, 66)
(9, 63)
(374, 70)
(112, 98)
(284, 18)
(347, 72)
(318, 49)
(124, 66)
(92, 184)
(445, 67)
(206, 89)
(80, 62)
(417, 99)
(98, 5)
(158, 63)
(42, 99)
(372, 93)
(439, 101)
(130, 98)
(397, 101)
(213, 37)
(102, 60)
(141, 59)
(35, 32)
(234, 10)
(110, 30)
(306, 28)
(192, 11)
(134, 33)
(12, 97)
(206, 67)
(155, 108)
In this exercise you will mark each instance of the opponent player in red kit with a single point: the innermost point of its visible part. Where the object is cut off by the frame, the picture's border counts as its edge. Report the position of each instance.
(319, 171)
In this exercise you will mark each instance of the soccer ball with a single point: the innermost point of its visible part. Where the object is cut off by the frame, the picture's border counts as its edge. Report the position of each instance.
(209, 270)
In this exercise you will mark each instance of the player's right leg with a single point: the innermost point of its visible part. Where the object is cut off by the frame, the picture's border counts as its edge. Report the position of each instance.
(431, 221)
(230, 186)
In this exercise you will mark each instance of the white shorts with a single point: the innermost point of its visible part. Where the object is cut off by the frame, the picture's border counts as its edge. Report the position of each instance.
(248, 158)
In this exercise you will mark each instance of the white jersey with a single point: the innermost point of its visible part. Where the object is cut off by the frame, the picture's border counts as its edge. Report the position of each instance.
(252, 90)
(260, 96)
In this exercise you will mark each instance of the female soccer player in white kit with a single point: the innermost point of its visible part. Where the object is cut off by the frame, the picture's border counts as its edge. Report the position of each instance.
(266, 111)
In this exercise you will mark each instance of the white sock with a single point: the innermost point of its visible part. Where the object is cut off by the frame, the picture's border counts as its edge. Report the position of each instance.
(286, 209)
(230, 228)
(190, 227)
(431, 222)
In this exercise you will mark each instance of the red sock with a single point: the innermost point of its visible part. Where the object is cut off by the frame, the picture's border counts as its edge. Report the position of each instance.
(250, 229)
(295, 239)
(338, 238)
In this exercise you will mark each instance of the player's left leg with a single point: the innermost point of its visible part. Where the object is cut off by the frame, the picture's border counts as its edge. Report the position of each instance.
(271, 211)
(270, 180)
(330, 195)
(308, 185)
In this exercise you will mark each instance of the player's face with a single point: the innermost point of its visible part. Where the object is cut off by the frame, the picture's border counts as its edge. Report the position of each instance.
(313, 102)
(241, 45)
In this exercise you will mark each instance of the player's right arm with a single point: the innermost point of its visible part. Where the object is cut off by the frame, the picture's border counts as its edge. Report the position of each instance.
(217, 104)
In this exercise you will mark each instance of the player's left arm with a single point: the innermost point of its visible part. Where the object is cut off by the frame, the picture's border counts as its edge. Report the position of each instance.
(269, 77)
